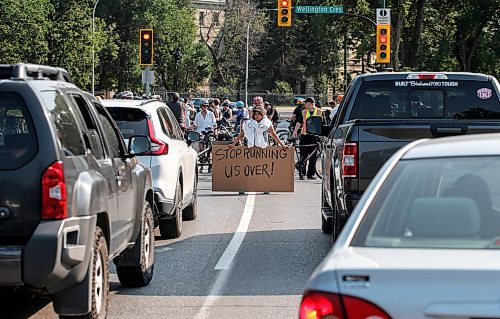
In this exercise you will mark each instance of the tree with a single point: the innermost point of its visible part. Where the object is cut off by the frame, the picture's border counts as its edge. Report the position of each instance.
(227, 45)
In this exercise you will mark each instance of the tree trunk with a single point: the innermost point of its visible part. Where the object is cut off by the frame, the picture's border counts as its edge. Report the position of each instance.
(466, 46)
(414, 55)
(396, 36)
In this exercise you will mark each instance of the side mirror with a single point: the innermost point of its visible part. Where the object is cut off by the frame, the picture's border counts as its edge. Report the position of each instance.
(193, 136)
(314, 125)
(138, 145)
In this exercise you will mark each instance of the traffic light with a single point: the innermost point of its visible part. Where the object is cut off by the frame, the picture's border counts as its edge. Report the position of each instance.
(383, 44)
(146, 47)
(284, 13)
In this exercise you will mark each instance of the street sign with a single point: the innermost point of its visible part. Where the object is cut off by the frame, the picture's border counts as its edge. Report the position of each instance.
(383, 16)
(319, 9)
(148, 77)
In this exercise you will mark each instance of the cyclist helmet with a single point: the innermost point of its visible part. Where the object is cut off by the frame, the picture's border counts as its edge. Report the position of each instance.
(300, 102)
(240, 104)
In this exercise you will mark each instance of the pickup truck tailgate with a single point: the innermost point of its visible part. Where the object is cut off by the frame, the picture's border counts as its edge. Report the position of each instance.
(378, 140)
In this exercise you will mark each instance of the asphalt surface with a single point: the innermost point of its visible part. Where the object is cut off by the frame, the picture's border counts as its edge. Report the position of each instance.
(265, 275)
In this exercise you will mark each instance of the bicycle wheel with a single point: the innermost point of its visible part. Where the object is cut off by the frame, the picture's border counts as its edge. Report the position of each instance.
(283, 136)
(319, 164)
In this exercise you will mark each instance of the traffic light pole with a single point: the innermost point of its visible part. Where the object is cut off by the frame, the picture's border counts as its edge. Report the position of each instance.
(148, 95)
(248, 37)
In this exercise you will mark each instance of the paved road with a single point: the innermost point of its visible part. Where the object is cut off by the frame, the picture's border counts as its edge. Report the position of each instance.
(265, 279)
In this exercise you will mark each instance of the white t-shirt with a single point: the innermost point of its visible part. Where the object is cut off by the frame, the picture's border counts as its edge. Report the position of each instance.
(334, 111)
(257, 132)
(202, 123)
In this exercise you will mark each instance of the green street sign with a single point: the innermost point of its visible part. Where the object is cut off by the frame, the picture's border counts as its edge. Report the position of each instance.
(319, 9)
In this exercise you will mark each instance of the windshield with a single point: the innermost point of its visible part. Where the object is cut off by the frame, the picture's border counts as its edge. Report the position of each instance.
(436, 203)
(130, 121)
(467, 100)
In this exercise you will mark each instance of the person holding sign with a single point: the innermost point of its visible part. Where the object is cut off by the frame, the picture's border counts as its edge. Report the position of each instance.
(257, 130)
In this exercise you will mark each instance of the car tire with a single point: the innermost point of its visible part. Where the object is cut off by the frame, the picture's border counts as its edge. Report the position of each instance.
(172, 228)
(192, 210)
(141, 274)
(100, 279)
(326, 226)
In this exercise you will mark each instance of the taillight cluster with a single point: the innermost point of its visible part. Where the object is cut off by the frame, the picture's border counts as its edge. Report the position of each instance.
(350, 160)
(157, 147)
(322, 305)
(54, 201)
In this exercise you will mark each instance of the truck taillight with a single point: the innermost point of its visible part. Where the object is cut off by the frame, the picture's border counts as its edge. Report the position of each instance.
(350, 160)
(54, 201)
(157, 147)
(321, 305)
(426, 76)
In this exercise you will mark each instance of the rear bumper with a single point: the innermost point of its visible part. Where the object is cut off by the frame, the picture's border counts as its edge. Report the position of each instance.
(165, 205)
(56, 257)
(351, 200)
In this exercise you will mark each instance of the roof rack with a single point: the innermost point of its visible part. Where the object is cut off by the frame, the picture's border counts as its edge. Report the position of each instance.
(24, 71)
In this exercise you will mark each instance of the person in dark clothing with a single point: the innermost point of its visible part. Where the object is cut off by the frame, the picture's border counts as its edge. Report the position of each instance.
(307, 141)
(297, 114)
(179, 109)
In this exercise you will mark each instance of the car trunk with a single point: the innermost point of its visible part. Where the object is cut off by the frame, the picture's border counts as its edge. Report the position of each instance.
(424, 283)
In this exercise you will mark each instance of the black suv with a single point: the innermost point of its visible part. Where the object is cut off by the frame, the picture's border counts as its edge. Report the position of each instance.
(72, 196)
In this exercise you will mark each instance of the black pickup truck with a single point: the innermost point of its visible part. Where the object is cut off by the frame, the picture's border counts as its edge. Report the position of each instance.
(383, 112)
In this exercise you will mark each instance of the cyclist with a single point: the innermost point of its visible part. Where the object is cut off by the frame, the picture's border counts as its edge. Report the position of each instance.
(241, 114)
(307, 141)
(272, 113)
(204, 122)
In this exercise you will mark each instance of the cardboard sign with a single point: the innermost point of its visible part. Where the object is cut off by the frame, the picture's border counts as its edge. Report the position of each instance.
(252, 169)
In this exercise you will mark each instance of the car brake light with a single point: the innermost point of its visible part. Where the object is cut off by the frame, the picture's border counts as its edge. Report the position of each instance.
(318, 305)
(54, 201)
(426, 76)
(356, 308)
(157, 147)
(322, 305)
(350, 160)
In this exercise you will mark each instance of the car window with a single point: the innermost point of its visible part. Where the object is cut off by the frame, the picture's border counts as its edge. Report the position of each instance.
(18, 141)
(91, 136)
(109, 131)
(65, 122)
(176, 129)
(130, 121)
(426, 100)
(436, 203)
(166, 126)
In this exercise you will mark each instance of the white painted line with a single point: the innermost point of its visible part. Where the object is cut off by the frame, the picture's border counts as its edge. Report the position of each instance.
(214, 294)
(227, 257)
(226, 260)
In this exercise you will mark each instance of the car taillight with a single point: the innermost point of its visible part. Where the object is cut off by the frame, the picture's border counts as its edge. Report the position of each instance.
(157, 147)
(426, 76)
(54, 201)
(322, 305)
(350, 160)
(318, 305)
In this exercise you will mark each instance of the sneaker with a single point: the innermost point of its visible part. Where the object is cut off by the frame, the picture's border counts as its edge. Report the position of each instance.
(311, 177)
(266, 193)
(301, 178)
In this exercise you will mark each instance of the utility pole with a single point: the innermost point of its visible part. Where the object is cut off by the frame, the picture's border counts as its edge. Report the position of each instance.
(93, 47)
(345, 61)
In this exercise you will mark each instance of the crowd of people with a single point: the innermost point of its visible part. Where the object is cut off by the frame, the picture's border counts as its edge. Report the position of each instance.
(255, 125)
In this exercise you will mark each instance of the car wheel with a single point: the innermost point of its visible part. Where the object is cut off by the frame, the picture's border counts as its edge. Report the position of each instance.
(172, 228)
(100, 279)
(140, 274)
(191, 211)
(326, 227)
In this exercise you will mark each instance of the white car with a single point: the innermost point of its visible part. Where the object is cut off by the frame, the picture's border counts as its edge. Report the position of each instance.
(172, 161)
(424, 240)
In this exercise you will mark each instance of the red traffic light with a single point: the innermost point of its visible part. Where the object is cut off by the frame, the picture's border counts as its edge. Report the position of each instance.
(146, 36)
(284, 3)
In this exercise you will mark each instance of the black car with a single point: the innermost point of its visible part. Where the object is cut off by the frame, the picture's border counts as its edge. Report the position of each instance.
(72, 195)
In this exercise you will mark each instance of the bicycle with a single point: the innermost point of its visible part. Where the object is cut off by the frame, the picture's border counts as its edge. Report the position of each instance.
(300, 165)
(204, 159)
